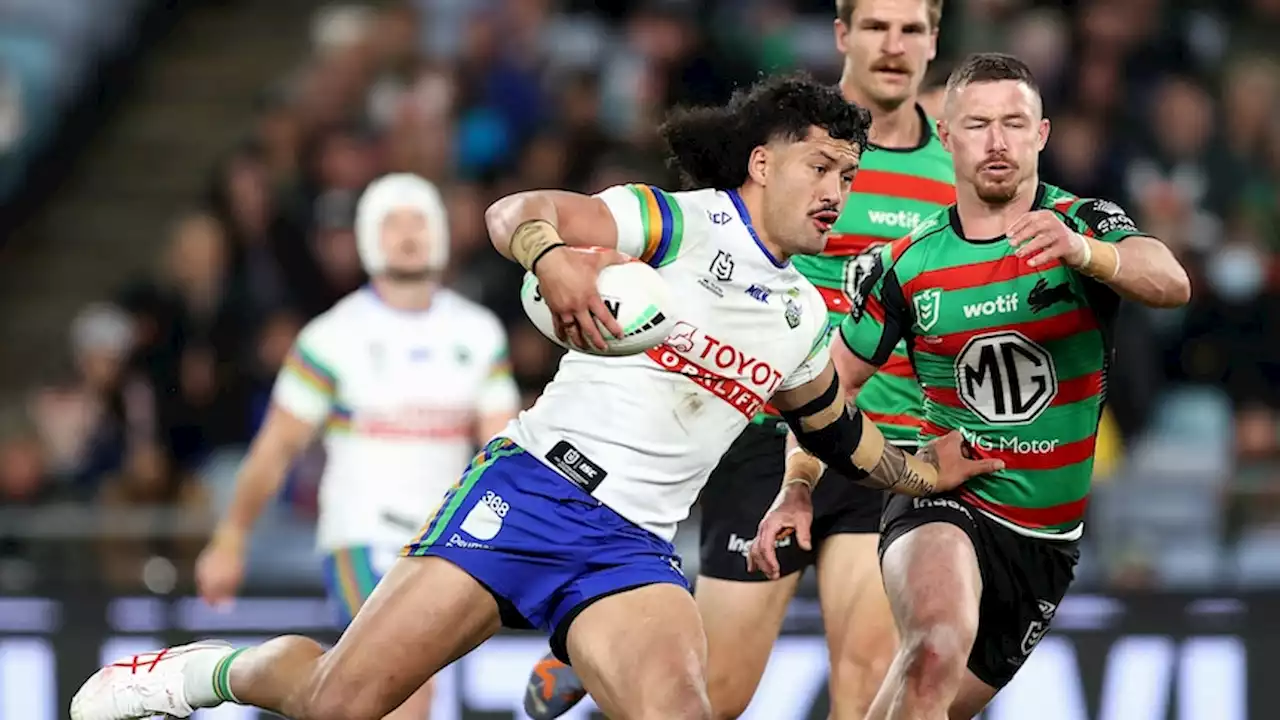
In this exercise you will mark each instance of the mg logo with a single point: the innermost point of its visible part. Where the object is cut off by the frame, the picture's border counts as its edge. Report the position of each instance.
(1005, 378)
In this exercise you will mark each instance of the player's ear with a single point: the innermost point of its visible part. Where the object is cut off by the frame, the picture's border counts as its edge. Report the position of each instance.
(842, 32)
(933, 44)
(758, 165)
(1044, 134)
(944, 134)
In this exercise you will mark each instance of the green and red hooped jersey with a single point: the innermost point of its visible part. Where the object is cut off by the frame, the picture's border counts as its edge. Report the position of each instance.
(892, 192)
(1014, 357)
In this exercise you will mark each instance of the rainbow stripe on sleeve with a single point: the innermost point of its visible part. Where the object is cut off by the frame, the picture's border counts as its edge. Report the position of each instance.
(662, 223)
(310, 370)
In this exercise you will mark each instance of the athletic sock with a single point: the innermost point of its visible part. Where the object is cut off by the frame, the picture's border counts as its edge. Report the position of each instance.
(207, 678)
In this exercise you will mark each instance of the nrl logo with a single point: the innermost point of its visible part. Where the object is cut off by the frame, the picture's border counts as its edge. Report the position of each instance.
(927, 303)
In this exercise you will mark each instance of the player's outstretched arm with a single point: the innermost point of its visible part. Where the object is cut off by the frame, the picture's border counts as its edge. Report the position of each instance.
(1142, 269)
(1109, 249)
(839, 435)
(302, 399)
(282, 438)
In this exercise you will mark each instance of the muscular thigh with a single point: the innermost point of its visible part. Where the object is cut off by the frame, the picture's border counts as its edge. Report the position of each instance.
(861, 636)
(742, 621)
(424, 614)
(930, 565)
(1021, 580)
(641, 653)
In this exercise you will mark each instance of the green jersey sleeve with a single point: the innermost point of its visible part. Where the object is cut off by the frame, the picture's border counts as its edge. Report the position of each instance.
(878, 317)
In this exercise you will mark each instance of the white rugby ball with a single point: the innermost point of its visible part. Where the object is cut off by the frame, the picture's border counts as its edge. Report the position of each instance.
(634, 293)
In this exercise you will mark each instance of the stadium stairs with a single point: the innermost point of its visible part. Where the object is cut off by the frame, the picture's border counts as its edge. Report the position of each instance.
(191, 101)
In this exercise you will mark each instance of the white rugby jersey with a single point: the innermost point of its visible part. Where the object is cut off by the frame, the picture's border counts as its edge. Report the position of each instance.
(397, 394)
(643, 432)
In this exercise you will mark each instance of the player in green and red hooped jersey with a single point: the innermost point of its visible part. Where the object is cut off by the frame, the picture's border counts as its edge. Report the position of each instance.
(1005, 300)
(908, 178)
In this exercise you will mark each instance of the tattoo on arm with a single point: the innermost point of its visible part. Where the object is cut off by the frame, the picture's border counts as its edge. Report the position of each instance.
(895, 472)
(838, 434)
(889, 468)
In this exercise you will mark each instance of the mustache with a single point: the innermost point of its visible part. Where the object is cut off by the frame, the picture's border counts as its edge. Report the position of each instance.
(828, 208)
(897, 65)
(1003, 159)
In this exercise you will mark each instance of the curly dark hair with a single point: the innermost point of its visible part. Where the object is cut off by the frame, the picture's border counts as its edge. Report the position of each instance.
(710, 146)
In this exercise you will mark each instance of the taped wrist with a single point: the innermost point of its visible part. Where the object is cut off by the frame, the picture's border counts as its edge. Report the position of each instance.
(531, 240)
(802, 467)
(1101, 260)
(847, 441)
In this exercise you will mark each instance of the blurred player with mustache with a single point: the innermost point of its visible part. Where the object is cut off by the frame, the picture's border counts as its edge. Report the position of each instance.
(907, 176)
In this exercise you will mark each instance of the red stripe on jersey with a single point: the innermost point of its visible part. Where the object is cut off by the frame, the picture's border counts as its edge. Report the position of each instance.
(1041, 331)
(900, 246)
(837, 301)
(1029, 517)
(886, 419)
(1069, 391)
(898, 366)
(972, 275)
(738, 396)
(1059, 456)
(1064, 204)
(844, 244)
(912, 187)
(873, 308)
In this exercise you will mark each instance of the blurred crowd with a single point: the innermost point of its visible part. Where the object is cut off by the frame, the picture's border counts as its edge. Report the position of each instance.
(1166, 108)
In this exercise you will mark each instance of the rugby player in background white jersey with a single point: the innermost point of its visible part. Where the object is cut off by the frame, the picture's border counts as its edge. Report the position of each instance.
(404, 379)
(564, 521)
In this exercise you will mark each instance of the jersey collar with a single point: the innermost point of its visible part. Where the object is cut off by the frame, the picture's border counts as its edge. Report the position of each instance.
(926, 135)
(751, 229)
(372, 292)
(953, 214)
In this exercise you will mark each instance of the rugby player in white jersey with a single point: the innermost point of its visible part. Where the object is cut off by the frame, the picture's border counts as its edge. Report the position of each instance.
(404, 379)
(887, 46)
(564, 521)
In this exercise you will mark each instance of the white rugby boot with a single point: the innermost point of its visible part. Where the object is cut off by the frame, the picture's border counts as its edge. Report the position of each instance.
(147, 685)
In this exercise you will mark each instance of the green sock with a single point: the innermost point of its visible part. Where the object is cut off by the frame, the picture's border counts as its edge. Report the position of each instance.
(222, 678)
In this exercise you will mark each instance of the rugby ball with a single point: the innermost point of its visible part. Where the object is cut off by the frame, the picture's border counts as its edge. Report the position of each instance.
(634, 293)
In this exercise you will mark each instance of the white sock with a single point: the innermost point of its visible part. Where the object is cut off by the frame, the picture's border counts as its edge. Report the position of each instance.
(198, 682)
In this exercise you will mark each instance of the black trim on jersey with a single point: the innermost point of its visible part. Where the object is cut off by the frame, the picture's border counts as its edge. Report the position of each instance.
(926, 135)
(1105, 304)
(954, 214)
(896, 312)
(898, 298)
(1103, 301)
